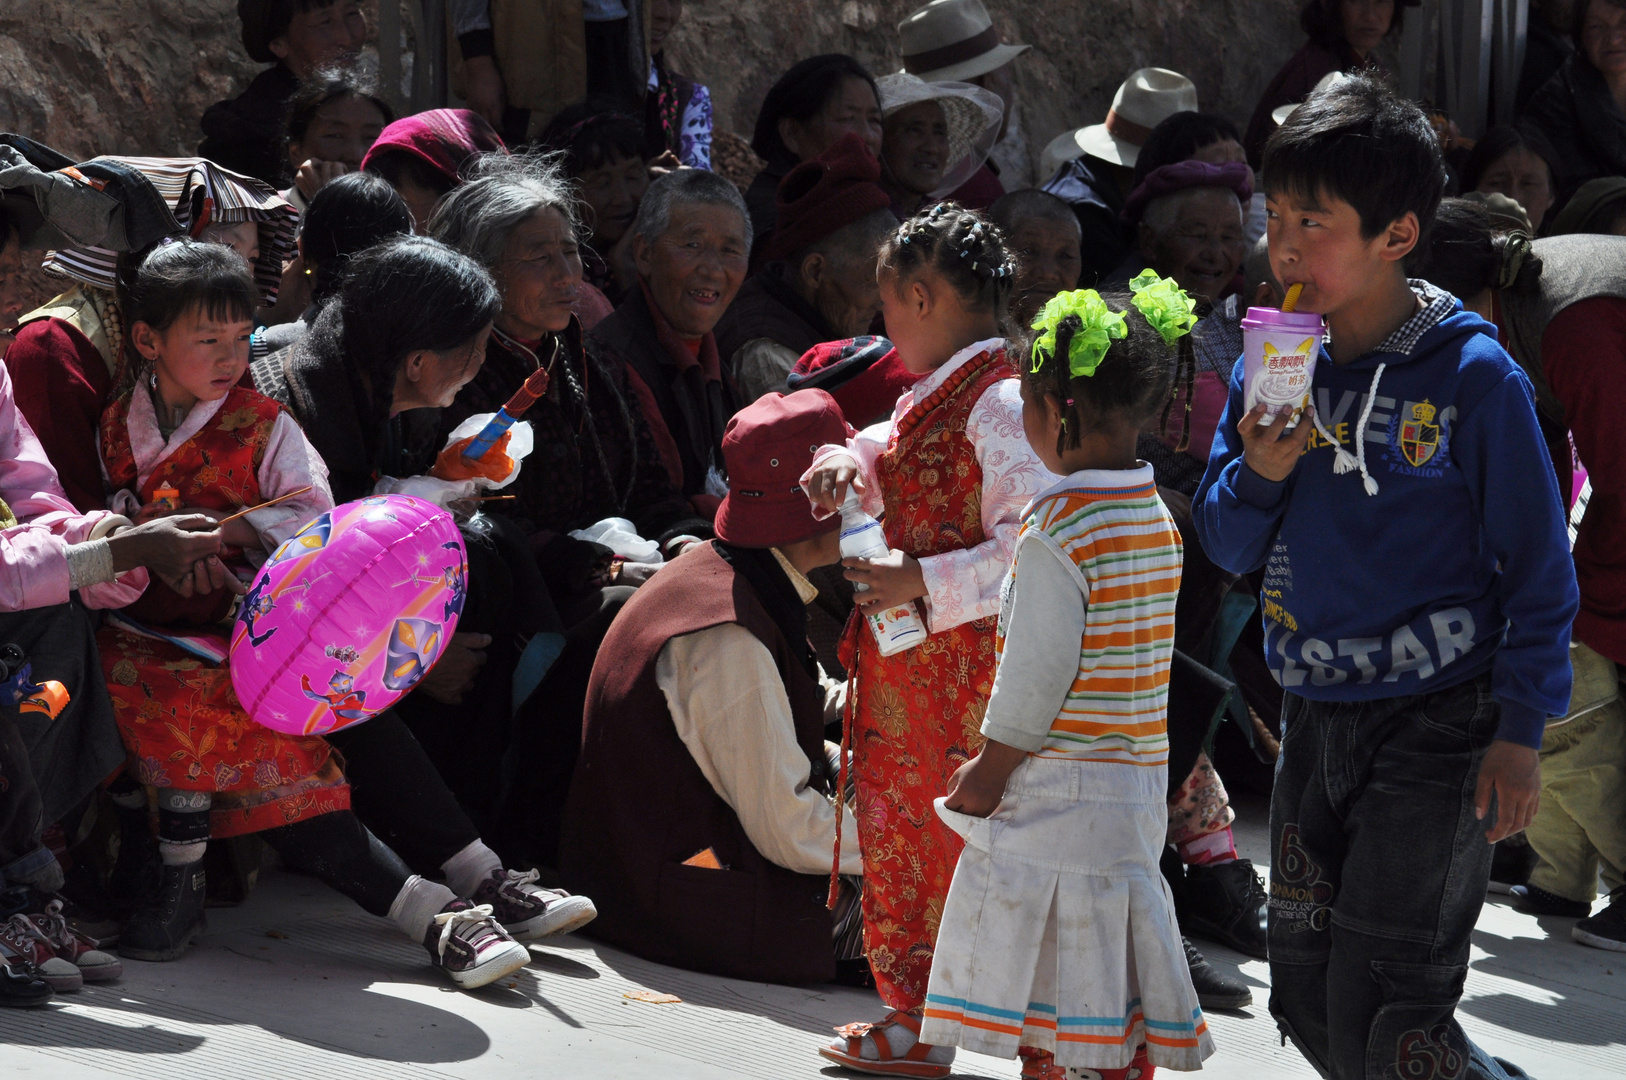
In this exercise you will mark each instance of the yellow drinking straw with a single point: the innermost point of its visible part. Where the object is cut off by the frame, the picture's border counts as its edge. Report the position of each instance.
(1292, 300)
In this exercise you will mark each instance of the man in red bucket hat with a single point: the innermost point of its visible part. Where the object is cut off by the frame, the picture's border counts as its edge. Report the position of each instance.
(702, 801)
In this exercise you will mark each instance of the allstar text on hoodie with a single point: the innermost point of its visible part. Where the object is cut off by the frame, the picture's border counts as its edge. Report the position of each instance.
(1458, 561)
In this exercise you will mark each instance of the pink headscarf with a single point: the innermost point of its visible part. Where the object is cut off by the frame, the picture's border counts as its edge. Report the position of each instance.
(444, 139)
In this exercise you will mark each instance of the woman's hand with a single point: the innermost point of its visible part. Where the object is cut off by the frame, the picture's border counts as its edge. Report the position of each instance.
(1272, 451)
(453, 674)
(978, 786)
(891, 581)
(828, 485)
(182, 549)
(665, 163)
(314, 173)
(485, 89)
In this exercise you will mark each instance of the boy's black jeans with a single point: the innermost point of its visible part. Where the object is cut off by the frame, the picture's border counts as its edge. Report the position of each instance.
(1378, 873)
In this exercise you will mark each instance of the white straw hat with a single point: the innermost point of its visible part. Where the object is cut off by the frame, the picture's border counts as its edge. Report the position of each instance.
(1144, 100)
(1331, 79)
(974, 117)
(953, 41)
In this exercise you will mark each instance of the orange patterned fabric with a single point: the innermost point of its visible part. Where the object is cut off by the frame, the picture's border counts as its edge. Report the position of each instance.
(216, 469)
(918, 713)
(179, 716)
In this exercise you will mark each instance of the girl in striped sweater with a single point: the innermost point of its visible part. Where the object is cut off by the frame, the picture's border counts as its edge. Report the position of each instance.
(1058, 943)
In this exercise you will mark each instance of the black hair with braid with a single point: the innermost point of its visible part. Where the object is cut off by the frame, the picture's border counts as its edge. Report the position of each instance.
(964, 248)
(1133, 381)
(405, 294)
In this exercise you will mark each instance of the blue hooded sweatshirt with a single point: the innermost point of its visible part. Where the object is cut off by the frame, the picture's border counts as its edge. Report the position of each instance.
(1458, 564)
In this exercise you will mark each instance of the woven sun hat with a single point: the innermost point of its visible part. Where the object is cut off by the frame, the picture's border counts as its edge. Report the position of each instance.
(198, 193)
(1144, 100)
(1331, 79)
(974, 117)
(953, 41)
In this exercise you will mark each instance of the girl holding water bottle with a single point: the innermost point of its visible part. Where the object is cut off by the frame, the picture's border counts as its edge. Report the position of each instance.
(948, 475)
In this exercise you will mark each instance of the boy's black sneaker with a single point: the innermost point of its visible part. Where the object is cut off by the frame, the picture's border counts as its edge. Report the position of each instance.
(21, 986)
(1606, 929)
(167, 923)
(1215, 989)
(1226, 903)
(1533, 901)
(1511, 866)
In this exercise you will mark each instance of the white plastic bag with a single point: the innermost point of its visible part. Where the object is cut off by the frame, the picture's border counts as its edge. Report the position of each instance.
(621, 537)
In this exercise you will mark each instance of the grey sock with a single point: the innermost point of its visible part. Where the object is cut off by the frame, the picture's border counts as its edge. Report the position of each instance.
(417, 904)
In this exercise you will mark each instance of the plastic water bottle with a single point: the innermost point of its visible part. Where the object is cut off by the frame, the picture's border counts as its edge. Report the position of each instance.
(897, 628)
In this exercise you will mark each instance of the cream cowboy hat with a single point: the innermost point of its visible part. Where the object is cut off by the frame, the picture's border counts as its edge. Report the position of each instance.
(974, 117)
(1331, 79)
(1144, 100)
(953, 41)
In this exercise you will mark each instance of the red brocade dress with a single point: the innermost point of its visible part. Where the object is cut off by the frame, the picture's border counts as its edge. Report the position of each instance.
(178, 714)
(919, 712)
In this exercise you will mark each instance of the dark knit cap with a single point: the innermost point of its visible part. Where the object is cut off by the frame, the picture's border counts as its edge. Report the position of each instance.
(824, 195)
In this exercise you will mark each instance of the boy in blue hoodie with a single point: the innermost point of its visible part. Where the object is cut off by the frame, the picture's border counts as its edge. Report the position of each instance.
(1418, 595)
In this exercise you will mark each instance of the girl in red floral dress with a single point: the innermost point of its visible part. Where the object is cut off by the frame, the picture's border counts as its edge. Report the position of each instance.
(189, 437)
(949, 475)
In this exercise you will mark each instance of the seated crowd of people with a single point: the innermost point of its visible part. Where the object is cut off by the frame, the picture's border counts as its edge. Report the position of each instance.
(306, 312)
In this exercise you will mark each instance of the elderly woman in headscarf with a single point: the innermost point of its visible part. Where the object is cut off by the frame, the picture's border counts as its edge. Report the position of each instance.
(934, 136)
(70, 356)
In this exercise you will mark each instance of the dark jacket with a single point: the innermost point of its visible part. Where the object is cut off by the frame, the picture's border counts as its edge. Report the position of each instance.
(563, 485)
(246, 134)
(1586, 127)
(768, 307)
(1293, 84)
(762, 200)
(639, 805)
(335, 415)
(693, 401)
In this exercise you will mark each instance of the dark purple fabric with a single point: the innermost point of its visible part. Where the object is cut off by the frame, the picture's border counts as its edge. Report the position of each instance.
(1167, 179)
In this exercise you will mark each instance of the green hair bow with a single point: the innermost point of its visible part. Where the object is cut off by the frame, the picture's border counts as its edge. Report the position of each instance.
(1101, 327)
(1164, 304)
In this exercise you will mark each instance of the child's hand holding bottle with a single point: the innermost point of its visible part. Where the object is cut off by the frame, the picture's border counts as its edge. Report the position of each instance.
(827, 485)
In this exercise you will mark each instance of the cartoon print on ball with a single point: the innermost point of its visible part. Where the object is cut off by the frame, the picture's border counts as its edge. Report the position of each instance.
(414, 648)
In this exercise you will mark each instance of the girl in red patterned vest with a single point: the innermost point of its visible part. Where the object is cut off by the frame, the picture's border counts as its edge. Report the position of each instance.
(949, 474)
(189, 437)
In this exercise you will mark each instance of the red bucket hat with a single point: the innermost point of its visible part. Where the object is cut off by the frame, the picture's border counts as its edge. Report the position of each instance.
(824, 195)
(767, 447)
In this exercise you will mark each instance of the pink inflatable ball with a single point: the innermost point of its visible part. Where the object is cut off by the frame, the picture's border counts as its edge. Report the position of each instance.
(347, 615)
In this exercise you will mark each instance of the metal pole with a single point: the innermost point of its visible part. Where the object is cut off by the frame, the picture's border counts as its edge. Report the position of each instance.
(430, 64)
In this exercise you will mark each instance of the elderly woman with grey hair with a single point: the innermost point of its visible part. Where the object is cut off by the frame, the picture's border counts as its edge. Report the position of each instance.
(691, 245)
(594, 457)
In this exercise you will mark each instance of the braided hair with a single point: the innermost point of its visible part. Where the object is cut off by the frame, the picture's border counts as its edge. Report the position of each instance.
(962, 246)
(1133, 381)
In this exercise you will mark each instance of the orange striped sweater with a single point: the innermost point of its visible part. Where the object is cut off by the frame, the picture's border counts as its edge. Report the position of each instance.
(1126, 553)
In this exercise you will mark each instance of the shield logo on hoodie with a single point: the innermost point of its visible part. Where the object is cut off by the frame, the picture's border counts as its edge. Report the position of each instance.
(1420, 436)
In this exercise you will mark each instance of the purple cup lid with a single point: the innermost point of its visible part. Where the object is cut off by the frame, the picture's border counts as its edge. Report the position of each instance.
(1269, 318)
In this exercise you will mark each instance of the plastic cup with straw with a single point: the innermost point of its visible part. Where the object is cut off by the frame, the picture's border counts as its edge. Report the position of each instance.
(1279, 350)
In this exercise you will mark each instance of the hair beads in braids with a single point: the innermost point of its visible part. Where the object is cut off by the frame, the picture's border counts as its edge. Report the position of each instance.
(963, 247)
(1133, 381)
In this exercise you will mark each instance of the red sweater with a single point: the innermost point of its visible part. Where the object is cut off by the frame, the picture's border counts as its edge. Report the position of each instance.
(1583, 354)
(61, 383)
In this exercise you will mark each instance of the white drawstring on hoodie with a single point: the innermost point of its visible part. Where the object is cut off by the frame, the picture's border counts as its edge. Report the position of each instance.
(1345, 461)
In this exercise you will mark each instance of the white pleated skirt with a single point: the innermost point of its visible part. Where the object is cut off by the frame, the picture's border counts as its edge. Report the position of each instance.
(1059, 930)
